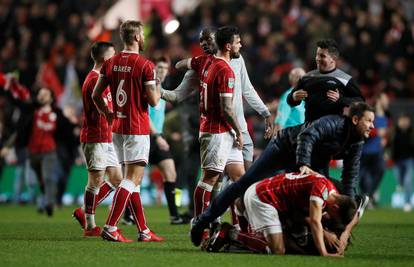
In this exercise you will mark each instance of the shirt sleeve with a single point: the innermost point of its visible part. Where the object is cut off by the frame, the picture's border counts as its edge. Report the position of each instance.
(149, 74)
(250, 94)
(103, 71)
(226, 83)
(319, 193)
(196, 63)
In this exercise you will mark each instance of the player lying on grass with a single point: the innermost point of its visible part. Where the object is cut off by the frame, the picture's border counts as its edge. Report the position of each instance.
(266, 202)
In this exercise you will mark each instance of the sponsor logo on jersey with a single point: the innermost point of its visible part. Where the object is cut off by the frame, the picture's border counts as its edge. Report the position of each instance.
(231, 82)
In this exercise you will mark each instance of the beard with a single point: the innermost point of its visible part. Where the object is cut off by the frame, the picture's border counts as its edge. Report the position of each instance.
(234, 54)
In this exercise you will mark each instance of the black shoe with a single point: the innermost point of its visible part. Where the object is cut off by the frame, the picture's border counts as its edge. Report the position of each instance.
(127, 220)
(220, 238)
(49, 210)
(362, 202)
(197, 231)
(177, 220)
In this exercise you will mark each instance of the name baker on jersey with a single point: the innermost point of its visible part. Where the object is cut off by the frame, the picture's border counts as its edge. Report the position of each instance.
(122, 68)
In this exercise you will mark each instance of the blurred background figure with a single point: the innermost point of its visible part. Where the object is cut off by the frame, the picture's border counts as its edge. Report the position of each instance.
(402, 144)
(286, 115)
(372, 159)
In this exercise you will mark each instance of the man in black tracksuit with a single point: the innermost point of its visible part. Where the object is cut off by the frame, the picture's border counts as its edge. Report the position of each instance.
(308, 147)
(325, 90)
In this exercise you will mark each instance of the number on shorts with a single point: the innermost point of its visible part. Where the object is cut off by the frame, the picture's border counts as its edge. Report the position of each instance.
(121, 95)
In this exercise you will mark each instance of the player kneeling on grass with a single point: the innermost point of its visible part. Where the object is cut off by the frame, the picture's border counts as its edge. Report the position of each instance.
(265, 201)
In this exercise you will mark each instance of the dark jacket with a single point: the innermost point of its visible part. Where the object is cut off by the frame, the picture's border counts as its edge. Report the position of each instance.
(330, 137)
(317, 84)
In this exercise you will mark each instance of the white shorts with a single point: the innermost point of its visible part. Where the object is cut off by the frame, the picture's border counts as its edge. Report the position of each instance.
(217, 150)
(247, 147)
(131, 148)
(262, 217)
(99, 156)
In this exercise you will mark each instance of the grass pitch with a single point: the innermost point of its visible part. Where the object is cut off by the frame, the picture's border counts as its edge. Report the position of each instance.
(384, 238)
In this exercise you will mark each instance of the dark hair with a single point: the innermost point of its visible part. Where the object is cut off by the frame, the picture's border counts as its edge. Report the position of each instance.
(98, 50)
(329, 44)
(345, 214)
(358, 109)
(162, 59)
(225, 35)
(128, 30)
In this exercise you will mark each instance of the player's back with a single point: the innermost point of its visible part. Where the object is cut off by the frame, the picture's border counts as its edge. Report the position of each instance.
(216, 80)
(127, 74)
(95, 128)
(293, 191)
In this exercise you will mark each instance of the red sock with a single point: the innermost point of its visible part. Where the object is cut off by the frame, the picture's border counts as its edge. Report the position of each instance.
(105, 189)
(202, 196)
(90, 200)
(135, 206)
(121, 197)
(234, 217)
(254, 242)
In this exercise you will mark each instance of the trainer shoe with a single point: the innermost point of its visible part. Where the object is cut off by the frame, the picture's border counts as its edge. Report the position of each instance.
(114, 236)
(176, 220)
(363, 202)
(96, 231)
(149, 237)
(79, 215)
(220, 238)
(127, 220)
(197, 231)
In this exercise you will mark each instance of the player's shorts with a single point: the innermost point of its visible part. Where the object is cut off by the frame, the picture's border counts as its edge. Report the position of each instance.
(131, 148)
(247, 147)
(156, 155)
(217, 150)
(262, 217)
(99, 156)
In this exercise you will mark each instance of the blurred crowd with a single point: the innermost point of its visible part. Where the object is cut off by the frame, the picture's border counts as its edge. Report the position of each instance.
(47, 43)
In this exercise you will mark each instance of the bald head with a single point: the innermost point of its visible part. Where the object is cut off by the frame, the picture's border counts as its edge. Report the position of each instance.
(207, 40)
(294, 76)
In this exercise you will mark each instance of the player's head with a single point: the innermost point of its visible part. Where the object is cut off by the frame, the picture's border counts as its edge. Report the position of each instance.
(294, 76)
(101, 51)
(362, 116)
(228, 40)
(45, 96)
(162, 66)
(327, 53)
(132, 31)
(341, 210)
(207, 42)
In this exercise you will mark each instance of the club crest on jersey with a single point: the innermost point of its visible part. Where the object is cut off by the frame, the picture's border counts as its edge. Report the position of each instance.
(231, 82)
(325, 194)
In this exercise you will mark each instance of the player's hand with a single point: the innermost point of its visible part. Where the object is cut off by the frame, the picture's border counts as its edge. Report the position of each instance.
(332, 241)
(333, 95)
(299, 95)
(162, 143)
(239, 141)
(306, 170)
(268, 128)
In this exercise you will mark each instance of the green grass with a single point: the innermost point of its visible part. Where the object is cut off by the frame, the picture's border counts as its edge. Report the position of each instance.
(384, 238)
